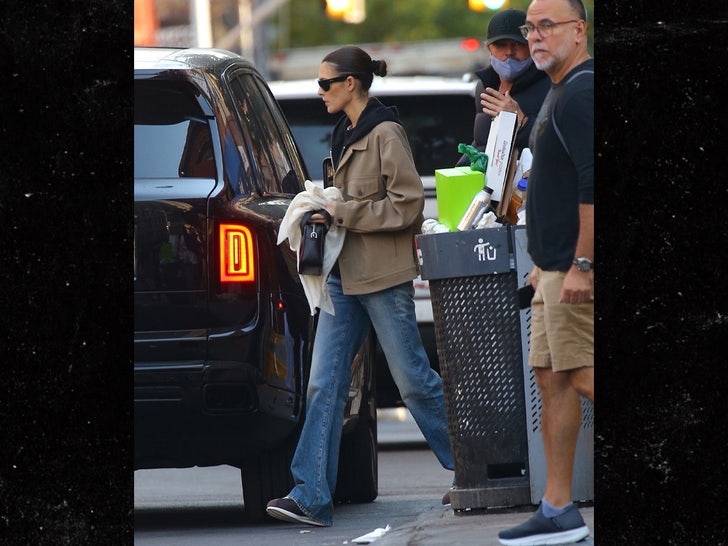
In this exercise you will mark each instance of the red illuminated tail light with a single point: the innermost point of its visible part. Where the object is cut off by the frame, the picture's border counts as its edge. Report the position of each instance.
(237, 262)
(470, 44)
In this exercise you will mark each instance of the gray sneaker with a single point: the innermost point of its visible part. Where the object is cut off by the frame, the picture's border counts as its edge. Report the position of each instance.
(286, 509)
(539, 530)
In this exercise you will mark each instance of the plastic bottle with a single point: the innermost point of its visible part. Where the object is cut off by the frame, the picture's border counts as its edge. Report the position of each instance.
(518, 196)
(477, 208)
(521, 187)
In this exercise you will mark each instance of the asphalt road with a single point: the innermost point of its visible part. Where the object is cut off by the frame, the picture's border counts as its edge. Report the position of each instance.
(200, 506)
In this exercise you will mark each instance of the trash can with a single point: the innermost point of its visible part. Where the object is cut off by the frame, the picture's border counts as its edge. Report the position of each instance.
(482, 345)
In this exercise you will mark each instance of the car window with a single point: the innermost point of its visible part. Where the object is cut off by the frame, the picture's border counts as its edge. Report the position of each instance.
(236, 157)
(259, 126)
(293, 181)
(172, 137)
(435, 125)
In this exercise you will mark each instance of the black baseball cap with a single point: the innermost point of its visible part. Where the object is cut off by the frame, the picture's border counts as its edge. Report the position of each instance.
(504, 26)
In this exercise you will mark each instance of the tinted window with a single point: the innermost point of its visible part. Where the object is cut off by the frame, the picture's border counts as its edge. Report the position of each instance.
(273, 164)
(293, 182)
(172, 138)
(435, 125)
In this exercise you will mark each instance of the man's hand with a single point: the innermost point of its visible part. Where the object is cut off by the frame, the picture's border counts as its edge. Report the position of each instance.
(533, 277)
(494, 102)
(578, 286)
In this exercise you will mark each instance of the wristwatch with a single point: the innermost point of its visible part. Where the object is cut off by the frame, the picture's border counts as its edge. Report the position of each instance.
(583, 264)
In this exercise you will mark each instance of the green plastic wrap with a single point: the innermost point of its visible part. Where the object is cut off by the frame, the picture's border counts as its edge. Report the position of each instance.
(478, 159)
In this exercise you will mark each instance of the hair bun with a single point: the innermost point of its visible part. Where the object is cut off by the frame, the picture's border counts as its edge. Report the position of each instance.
(379, 68)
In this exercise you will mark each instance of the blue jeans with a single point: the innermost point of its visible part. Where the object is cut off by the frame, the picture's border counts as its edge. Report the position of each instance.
(392, 312)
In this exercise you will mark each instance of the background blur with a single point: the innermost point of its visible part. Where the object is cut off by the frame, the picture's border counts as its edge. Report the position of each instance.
(286, 39)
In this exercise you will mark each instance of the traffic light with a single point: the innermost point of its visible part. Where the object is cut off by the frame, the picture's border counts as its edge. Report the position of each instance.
(145, 23)
(349, 11)
(487, 5)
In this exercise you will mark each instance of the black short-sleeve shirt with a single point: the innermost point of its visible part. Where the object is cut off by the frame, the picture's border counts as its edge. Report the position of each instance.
(562, 172)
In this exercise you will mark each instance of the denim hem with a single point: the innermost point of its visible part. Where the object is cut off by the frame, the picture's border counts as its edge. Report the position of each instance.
(308, 514)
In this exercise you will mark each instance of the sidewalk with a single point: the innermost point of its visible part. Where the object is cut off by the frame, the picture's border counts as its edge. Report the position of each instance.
(443, 527)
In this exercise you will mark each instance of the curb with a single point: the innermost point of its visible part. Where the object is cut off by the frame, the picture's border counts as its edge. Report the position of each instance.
(442, 526)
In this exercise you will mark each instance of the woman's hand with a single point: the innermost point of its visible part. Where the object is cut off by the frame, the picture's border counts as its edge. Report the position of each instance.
(319, 218)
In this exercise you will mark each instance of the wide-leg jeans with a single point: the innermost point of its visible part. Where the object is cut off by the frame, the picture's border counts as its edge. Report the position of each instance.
(392, 313)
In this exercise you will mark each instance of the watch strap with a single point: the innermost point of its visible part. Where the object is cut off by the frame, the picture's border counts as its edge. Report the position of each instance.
(583, 264)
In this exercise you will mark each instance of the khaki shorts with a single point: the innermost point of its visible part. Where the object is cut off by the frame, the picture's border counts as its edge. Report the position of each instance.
(562, 334)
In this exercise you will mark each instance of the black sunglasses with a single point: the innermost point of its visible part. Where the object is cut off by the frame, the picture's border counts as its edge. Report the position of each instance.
(326, 84)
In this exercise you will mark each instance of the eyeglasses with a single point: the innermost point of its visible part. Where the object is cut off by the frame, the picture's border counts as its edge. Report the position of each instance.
(545, 28)
(326, 84)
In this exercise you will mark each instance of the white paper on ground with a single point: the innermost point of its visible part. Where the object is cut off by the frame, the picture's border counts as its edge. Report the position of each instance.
(371, 537)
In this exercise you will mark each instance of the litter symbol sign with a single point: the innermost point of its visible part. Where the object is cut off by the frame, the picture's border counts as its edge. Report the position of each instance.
(464, 253)
(485, 251)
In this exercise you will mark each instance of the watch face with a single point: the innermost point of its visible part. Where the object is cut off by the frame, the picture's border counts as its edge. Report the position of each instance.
(583, 264)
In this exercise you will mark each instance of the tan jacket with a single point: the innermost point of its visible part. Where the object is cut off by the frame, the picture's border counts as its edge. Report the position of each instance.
(382, 210)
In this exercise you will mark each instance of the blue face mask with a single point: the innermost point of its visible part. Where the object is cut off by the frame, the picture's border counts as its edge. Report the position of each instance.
(510, 69)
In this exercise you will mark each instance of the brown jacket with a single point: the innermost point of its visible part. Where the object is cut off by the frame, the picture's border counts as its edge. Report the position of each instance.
(382, 210)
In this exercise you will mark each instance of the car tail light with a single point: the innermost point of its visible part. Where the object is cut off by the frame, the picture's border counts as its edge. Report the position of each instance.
(470, 44)
(237, 262)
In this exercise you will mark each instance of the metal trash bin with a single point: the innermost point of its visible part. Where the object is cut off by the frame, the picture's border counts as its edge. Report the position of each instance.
(489, 390)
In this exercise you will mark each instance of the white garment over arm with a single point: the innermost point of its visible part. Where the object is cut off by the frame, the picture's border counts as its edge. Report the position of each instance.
(314, 198)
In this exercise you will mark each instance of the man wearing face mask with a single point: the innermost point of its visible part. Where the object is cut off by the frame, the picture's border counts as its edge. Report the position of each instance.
(511, 82)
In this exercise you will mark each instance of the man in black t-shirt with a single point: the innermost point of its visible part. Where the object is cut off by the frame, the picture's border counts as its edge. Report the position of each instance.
(560, 229)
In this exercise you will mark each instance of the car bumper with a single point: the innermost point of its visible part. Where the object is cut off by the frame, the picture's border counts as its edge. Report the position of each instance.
(207, 413)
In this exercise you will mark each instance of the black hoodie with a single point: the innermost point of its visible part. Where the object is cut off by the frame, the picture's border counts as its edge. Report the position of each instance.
(373, 114)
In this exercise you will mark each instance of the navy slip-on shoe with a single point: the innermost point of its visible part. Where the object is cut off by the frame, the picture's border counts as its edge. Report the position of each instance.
(539, 530)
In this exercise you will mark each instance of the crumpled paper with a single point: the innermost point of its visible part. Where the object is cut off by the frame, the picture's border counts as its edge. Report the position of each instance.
(433, 226)
(488, 220)
(371, 537)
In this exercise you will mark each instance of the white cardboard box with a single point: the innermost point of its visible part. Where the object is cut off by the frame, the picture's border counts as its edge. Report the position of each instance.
(499, 149)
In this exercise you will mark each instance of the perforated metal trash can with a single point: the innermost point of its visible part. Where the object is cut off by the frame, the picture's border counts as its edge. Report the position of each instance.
(477, 329)
(482, 342)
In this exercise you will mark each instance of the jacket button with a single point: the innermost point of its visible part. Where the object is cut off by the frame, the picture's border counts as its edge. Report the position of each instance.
(360, 193)
(340, 220)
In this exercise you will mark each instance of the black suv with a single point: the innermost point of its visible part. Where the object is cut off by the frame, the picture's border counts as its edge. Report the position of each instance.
(222, 329)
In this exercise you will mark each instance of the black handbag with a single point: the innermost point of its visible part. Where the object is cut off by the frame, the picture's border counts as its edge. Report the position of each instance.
(311, 250)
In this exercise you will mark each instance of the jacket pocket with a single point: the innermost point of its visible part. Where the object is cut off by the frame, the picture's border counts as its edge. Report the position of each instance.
(365, 187)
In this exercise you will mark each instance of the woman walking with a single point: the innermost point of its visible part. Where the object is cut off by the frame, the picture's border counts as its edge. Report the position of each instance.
(370, 283)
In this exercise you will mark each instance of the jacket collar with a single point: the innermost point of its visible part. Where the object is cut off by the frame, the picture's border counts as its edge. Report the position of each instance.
(373, 114)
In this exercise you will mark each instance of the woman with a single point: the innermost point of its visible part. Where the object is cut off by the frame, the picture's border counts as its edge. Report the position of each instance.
(371, 282)
(511, 82)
